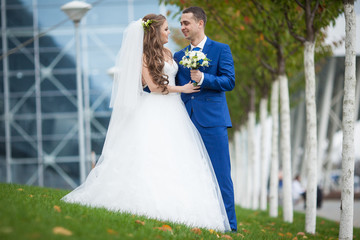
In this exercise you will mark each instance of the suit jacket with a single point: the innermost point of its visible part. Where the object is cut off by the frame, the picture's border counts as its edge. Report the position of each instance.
(209, 105)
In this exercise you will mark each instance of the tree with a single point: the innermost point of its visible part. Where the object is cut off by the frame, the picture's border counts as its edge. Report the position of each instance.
(304, 20)
(347, 173)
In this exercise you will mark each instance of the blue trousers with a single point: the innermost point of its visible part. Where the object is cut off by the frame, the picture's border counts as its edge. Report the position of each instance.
(217, 144)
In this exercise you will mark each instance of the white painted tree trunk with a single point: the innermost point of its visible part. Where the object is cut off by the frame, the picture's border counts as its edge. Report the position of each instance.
(357, 96)
(263, 160)
(237, 168)
(245, 176)
(252, 160)
(348, 155)
(311, 138)
(274, 169)
(285, 147)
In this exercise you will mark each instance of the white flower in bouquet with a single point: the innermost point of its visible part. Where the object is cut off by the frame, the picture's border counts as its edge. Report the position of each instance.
(194, 60)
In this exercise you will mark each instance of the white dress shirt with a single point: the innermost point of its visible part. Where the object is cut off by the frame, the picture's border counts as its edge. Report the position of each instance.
(201, 46)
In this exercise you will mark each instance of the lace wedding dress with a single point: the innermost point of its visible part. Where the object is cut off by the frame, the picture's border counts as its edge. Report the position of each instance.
(154, 163)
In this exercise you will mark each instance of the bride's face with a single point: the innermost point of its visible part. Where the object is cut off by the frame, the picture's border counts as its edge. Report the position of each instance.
(165, 31)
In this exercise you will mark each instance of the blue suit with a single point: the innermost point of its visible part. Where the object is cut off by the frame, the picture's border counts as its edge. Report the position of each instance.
(210, 114)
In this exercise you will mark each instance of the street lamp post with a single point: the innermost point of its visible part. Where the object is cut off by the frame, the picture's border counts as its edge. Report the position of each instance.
(75, 10)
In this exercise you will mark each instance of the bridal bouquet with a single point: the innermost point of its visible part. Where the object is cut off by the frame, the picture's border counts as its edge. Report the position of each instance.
(194, 60)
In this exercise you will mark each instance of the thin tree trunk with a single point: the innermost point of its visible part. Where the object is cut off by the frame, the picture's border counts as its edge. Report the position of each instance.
(246, 197)
(274, 173)
(238, 156)
(250, 162)
(263, 157)
(286, 148)
(311, 138)
(357, 96)
(348, 156)
(251, 147)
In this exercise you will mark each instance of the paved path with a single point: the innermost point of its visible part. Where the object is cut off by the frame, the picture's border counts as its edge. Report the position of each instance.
(331, 210)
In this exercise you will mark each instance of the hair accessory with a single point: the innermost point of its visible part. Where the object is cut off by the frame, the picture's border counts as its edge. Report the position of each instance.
(146, 24)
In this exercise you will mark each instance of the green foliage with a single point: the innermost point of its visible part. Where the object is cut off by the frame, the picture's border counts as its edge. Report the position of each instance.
(28, 212)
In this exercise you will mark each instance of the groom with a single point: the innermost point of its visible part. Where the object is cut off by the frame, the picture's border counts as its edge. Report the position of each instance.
(208, 108)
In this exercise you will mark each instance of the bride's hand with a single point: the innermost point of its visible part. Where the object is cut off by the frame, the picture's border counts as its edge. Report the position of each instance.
(190, 88)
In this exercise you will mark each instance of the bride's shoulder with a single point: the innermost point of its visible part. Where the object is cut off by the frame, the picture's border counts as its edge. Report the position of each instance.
(168, 50)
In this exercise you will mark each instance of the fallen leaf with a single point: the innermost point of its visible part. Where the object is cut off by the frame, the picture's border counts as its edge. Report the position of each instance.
(226, 236)
(57, 208)
(212, 231)
(111, 231)
(295, 238)
(130, 235)
(322, 222)
(281, 234)
(20, 189)
(31, 195)
(263, 230)
(301, 233)
(196, 230)
(62, 231)
(289, 234)
(305, 237)
(245, 230)
(240, 235)
(164, 228)
(140, 222)
(68, 217)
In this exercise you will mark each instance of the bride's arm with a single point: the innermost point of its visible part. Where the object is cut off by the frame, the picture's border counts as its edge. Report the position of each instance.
(187, 88)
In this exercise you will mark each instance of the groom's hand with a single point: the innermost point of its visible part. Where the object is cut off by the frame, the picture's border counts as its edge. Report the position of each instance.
(196, 75)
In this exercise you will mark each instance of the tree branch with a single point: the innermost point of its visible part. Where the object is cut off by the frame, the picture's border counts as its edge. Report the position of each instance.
(312, 15)
(267, 66)
(300, 4)
(291, 29)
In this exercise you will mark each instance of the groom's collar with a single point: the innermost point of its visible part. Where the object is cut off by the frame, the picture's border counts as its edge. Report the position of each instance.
(200, 45)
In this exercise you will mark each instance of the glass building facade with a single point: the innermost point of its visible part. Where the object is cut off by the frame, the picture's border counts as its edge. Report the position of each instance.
(39, 140)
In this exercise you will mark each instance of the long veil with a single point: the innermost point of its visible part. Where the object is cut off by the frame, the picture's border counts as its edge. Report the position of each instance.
(127, 78)
(127, 87)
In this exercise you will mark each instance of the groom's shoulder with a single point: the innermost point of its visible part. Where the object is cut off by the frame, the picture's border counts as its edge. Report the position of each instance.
(181, 51)
(219, 44)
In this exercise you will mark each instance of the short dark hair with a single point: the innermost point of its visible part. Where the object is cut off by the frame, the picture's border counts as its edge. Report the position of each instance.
(198, 13)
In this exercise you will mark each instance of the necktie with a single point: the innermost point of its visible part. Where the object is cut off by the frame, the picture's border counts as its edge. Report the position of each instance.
(196, 49)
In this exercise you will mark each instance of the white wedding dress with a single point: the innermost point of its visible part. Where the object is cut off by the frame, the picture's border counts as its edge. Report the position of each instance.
(154, 163)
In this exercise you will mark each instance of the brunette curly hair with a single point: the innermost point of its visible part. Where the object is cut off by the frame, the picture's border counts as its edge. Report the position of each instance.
(154, 50)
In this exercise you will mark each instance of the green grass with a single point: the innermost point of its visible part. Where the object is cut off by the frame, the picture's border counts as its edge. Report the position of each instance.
(28, 212)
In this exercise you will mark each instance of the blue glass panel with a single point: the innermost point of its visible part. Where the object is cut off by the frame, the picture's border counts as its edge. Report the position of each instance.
(27, 106)
(22, 173)
(19, 18)
(53, 104)
(51, 16)
(19, 2)
(19, 61)
(21, 82)
(108, 14)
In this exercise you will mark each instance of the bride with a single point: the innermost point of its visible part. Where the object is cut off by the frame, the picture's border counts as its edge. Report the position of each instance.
(154, 162)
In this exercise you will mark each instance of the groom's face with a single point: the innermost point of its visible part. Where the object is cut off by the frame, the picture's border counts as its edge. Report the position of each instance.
(189, 26)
